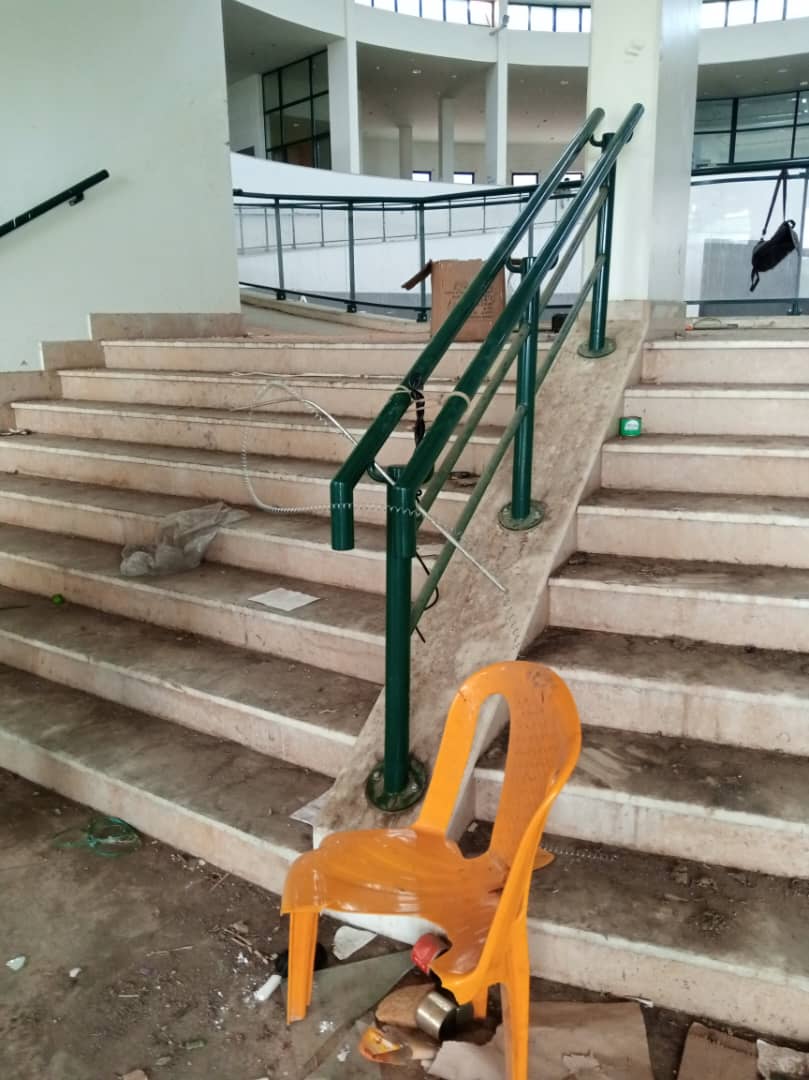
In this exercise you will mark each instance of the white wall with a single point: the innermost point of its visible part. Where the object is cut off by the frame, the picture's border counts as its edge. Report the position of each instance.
(137, 87)
(246, 115)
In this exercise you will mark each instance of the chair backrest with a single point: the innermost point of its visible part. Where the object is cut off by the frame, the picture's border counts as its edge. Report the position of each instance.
(543, 747)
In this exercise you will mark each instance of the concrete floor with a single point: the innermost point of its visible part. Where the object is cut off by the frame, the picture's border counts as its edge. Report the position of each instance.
(163, 986)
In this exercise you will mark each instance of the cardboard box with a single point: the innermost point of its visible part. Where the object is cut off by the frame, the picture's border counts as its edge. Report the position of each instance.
(450, 279)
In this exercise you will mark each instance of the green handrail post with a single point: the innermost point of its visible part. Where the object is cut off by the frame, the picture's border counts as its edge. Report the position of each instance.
(598, 344)
(523, 512)
(399, 780)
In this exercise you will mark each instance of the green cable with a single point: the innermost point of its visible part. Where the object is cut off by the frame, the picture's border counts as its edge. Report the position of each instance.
(105, 836)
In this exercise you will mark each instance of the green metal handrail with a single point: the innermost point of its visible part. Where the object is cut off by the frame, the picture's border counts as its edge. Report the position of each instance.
(400, 779)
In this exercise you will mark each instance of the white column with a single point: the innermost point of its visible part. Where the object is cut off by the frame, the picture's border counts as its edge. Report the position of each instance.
(344, 106)
(497, 116)
(648, 52)
(406, 151)
(246, 115)
(446, 139)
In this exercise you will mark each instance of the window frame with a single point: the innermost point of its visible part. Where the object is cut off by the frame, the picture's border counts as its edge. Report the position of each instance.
(279, 151)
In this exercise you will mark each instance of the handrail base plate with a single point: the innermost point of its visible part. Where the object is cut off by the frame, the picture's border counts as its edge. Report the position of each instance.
(535, 516)
(595, 354)
(393, 803)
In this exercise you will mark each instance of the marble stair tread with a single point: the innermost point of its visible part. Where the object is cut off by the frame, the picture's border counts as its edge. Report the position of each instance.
(718, 390)
(210, 671)
(261, 418)
(697, 666)
(761, 509)
(260, 465)
(210, 797)
(684, 934)
(348, 613)
(722, 781)
(681, 578)
(126, 504)
(718, 445)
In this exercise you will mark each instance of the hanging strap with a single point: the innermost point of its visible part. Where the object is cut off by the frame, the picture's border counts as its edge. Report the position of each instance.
(781, 183)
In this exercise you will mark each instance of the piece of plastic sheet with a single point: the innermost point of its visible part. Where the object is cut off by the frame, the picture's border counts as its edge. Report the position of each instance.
(181, 541)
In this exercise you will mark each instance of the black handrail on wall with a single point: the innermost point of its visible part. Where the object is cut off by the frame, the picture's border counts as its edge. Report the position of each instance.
(72, 195)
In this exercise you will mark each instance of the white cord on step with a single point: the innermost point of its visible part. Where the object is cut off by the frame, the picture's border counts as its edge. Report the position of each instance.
(324, 414)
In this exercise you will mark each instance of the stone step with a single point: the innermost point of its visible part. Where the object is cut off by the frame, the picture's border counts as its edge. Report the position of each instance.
(712, 464)
(302, 715)
(753, 529)
(293, 484)
(363, 398)
(683, 689)
(342, 631)
(212, 798)
(727, 945)
(762, 607)
(292, 545)
(336, 358)
(702, 360)
(748, 808)
(730, 409)
(286, 435)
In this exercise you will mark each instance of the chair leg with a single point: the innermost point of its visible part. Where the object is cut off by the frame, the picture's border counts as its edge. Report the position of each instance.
(480, 1003)
(302, 943)
(516, 1004)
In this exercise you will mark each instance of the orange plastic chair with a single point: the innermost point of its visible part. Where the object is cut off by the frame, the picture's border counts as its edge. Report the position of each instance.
(480, 903)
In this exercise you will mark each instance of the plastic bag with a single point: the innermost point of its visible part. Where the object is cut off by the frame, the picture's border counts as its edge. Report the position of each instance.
(181, 541)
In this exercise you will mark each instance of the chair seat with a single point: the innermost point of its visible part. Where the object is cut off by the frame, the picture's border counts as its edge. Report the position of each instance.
(403, 872)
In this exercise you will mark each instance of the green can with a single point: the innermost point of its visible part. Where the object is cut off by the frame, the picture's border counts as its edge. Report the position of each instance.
(630, 427)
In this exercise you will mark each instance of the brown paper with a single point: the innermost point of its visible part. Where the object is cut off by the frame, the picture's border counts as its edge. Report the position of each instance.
(450, 278)
(713, 1054)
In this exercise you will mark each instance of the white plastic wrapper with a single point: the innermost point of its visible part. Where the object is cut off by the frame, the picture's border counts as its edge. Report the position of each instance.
(181, 541)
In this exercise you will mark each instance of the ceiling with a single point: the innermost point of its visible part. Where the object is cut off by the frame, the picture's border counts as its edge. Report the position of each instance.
(256, 42)
(753, 77)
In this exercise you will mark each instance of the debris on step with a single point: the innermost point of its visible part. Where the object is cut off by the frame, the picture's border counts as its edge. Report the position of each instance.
(714, 1054)
(466, 1061)
(440, 1016)
(180, 542)
(309, 812)
(266, 991)
(348, 940)
(340, 996)
(399, 1007)
(391, 1046)
(106, 836)
(17, 963)
(283, 599)
(778, 1062)
(136, 1074)
(74, 972)
(346, 1062)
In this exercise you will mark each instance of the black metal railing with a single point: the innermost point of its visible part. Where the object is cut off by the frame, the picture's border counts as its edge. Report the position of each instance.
(280, 224)
(72, 195)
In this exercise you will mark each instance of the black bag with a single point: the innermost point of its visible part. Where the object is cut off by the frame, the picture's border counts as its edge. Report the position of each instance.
(769, 253)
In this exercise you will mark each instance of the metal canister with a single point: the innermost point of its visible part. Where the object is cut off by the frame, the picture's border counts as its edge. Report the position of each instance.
(440, 1016)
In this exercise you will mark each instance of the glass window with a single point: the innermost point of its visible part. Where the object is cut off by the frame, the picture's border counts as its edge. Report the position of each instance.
(384, 5)
(803, 109)
(802, 142)
(296, 121)
(323, 152)
(521, 179)
(302, 153)
(774, 110)
(424, 176)
(541, 18)
(457, 11)
(711, 150)
(713, 14)
(567, 20)
(481, 12)
(271, 96)
(797, 9)
(764, 144)
(432, 9)
(272, 126)
(518, 16)
(741, 12)
(295, 82)
(574, 177)
(464, 178)
(714, 115)
(320, 114)
(408, 7)
(586, 19)
(770, 10)
(320, 73)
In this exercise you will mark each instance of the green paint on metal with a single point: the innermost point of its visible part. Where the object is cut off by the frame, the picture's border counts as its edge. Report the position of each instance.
(535, 516)
(393, 802)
